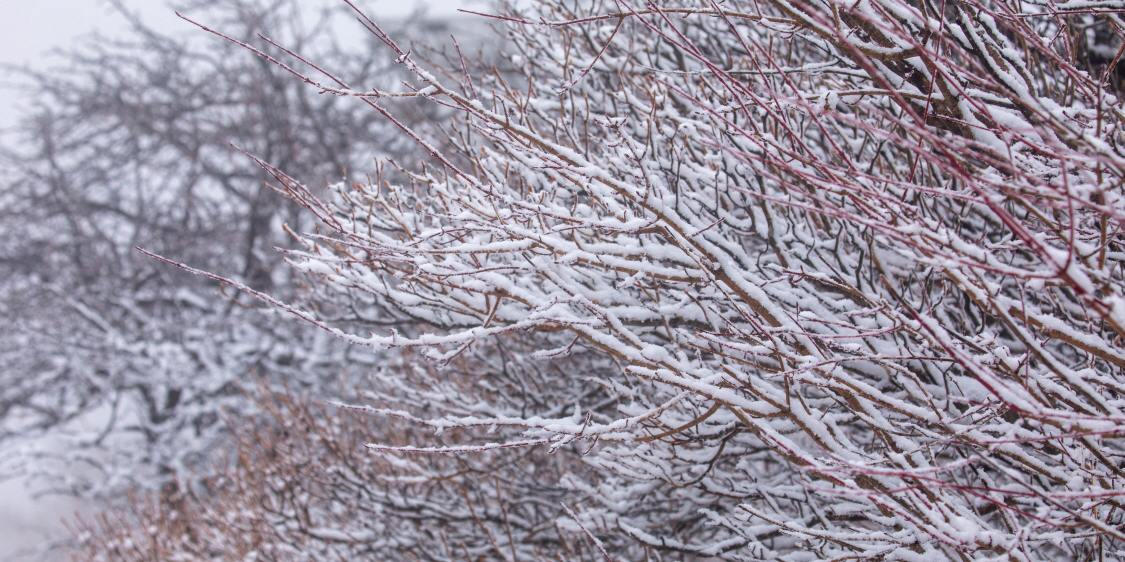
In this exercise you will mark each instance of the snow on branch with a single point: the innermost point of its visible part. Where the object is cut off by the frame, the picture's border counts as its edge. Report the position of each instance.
(840, 280)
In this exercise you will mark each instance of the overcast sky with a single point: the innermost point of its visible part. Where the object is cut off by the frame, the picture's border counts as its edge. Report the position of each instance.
(29, 29)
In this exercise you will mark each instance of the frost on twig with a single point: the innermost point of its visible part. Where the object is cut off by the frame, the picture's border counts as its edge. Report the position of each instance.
(842, 280)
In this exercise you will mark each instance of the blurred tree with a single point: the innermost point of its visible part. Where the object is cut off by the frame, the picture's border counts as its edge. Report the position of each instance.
(115, 368)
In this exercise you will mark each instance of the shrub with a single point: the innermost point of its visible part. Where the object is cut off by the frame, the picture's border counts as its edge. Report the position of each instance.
(789, 280)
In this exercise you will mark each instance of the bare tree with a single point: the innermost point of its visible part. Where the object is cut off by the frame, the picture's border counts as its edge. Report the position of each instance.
(116, 368)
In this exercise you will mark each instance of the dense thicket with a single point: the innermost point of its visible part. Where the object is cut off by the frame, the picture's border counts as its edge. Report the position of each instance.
(787, 280)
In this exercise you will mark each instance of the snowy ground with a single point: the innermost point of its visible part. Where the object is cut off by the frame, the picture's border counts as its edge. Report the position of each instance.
(26, 522)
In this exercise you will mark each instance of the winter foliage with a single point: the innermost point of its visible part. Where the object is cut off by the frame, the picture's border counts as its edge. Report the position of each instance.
(790, 280)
